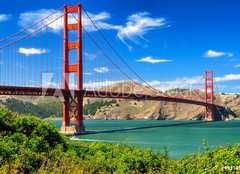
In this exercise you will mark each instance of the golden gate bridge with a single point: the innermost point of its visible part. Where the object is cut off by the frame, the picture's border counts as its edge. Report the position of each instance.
(51, 58)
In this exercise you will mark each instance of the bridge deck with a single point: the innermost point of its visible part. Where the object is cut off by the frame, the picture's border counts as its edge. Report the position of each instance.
(38, 91)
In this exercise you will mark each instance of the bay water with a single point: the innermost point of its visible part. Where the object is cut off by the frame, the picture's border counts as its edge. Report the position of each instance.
(181, 137)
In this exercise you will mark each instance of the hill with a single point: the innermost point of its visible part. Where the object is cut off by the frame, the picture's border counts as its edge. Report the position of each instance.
(133, 109)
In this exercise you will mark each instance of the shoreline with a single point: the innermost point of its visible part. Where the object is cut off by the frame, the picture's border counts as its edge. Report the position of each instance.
(51, 118)
(59, 118)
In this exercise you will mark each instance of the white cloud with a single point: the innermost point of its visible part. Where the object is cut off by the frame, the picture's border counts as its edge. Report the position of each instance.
(28, 18)
(230, 55)
(50, 85)
(237, 66)
(29, 51)
(101, 69)
(211, 53)
(154, 83)
(90, 56)
(150, 59)
(99, 85)
(228, 77)
(98, 19)
(196, 82)
(4, 17)
(184, 82)
(138, 25)
(87, 73)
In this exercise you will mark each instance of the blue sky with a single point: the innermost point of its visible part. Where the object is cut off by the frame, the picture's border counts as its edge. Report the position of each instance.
(169, 43)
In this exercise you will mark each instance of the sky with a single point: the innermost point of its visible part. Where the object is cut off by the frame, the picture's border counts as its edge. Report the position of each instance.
(168, 43)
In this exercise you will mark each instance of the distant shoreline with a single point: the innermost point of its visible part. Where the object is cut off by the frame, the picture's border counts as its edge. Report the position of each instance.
(60, 118)
(52, 118)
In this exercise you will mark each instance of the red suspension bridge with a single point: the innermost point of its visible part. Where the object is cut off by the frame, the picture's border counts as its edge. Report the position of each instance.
(55, 56)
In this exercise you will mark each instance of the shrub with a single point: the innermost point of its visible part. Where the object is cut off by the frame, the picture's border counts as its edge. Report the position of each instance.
(26, 141)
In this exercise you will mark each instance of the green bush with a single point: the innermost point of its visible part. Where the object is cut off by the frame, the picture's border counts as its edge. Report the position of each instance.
(26, 140)
(42, 110)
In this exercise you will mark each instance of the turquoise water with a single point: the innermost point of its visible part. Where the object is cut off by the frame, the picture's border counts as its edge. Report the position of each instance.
(182, 137)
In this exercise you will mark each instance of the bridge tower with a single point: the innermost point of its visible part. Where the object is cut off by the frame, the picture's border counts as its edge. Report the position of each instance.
(209, 95)
(73, 104)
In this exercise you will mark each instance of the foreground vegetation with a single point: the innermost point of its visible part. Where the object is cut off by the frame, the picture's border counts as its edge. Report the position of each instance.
(29, 145)
(41, 110)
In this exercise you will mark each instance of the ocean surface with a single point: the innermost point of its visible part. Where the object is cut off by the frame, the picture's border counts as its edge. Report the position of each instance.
(181, 137)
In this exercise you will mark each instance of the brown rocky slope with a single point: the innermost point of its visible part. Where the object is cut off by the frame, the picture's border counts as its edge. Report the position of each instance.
(133, 109)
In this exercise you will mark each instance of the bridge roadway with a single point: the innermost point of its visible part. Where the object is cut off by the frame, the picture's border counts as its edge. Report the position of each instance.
(39, 91)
